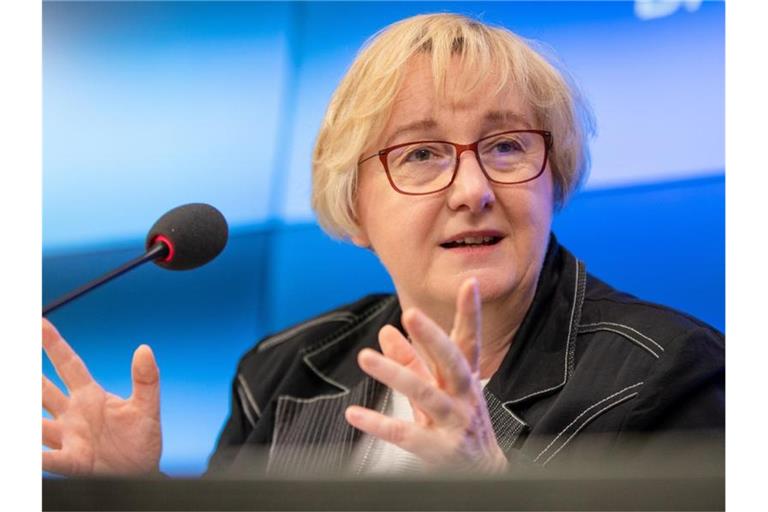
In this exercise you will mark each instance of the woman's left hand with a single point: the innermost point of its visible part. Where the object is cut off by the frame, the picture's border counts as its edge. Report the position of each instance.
(451, 427)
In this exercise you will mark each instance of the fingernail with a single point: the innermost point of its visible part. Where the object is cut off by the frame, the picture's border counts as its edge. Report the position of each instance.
(475, 285)
(368, 357)
(352, 414)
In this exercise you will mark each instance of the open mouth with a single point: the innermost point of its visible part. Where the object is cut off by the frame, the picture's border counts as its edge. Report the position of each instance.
(478, 241)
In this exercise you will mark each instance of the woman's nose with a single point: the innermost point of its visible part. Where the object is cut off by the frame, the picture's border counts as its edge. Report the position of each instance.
(470, 189)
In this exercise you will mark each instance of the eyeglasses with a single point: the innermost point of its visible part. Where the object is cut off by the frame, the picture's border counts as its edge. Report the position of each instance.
(429, 166)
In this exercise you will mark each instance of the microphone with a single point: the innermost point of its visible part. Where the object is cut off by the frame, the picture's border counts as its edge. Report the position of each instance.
(184, 238)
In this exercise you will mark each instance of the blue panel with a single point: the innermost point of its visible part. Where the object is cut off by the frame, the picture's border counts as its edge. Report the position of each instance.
(663, 243)
(312, 273)
(149, 105)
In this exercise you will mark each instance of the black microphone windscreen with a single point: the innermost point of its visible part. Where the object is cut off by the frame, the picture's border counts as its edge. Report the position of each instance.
(196, 233)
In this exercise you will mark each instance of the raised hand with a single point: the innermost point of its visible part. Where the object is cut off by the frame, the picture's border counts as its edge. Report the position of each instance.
(93, 431)
(451, 427)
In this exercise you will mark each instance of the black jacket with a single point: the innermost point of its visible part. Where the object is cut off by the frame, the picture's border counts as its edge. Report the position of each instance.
(587, 359)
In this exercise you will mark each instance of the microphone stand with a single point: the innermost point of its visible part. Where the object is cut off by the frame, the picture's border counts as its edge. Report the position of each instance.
(159, 250)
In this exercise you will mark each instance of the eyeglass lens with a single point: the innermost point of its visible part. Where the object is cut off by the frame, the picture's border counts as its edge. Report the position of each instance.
(429, 166)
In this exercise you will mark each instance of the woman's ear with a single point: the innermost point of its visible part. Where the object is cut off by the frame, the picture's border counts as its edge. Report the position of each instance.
(360, 239)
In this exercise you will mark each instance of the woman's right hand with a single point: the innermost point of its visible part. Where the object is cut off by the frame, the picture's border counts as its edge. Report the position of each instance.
(93, 431)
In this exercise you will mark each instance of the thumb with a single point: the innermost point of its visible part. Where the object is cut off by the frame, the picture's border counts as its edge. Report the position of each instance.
(146, 380)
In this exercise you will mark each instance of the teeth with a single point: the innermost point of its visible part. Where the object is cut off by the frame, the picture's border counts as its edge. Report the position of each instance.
(475, 240)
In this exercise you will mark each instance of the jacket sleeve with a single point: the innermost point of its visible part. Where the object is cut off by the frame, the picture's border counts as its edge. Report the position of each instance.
(686, 389)
(681, 408)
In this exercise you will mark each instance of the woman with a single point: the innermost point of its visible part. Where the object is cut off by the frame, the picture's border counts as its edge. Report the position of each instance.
(445, 150)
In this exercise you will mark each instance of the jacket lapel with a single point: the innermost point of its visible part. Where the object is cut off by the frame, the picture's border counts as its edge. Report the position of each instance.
(311, 435)
(541, 357)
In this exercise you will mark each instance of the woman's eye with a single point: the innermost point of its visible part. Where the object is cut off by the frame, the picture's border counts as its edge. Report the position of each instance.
(419, 155)
(508, 146)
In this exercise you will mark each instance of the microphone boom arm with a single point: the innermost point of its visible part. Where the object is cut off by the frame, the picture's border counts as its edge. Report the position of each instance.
(158, 250)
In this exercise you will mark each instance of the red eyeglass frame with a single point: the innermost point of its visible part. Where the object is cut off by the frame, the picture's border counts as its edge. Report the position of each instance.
(460, 148)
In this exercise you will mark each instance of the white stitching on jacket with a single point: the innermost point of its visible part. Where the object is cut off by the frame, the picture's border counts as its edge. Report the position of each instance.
(313, 399)
(582, 414)
(278, 412)
(581, 284)
(621, 333)
(246, 408)
(612, 404)
(626, 327)
(567, 348)
(248, 395)
(344, 390)
(321, 417)
(512, 413)
(338, 316)
(378, 309)
(381, 409)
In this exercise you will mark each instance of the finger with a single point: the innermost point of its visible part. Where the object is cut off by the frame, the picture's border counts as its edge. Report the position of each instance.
(54, 401)
(55, 461)
(146, 381)
(428, 398)
(67, 363)
(453, 371)
(51, 434)
(466, 332)
(407, 435)
(396, 347)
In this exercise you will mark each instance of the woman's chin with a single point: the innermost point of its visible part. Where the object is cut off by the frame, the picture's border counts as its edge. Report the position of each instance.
(496, 288)
(493, 285)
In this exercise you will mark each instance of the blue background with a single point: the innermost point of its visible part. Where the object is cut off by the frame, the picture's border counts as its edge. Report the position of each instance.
(150, 105)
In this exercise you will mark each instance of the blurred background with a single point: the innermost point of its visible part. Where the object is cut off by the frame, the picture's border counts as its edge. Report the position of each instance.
(148, 105)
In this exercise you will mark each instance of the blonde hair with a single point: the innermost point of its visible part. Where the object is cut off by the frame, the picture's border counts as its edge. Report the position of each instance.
(361, 105)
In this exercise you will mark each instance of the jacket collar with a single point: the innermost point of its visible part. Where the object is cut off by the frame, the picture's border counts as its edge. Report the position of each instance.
(334, 360)
(541, 357)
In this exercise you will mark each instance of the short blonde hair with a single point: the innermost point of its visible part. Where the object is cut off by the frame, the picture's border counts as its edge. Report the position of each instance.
(362, 103)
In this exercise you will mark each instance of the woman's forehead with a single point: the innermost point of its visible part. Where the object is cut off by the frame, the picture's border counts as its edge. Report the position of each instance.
(463, 89)
(420, 105)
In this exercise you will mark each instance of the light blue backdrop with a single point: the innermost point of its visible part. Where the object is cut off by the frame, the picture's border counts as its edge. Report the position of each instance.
(150, 105)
